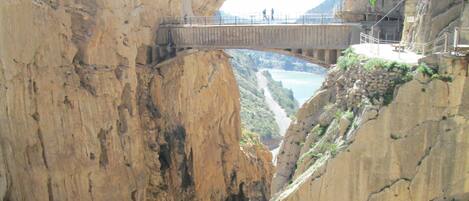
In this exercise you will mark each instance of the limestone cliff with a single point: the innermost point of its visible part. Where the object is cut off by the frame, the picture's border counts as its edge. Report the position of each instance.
(426, 20)
(368, 137)
(84, 115)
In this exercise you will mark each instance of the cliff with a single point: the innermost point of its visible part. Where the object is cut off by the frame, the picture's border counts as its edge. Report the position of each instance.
(375, 133)
(383, 130)
(427, 20)
(84, 115)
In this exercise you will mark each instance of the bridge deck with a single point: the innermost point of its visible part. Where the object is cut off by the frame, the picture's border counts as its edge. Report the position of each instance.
(261, 36)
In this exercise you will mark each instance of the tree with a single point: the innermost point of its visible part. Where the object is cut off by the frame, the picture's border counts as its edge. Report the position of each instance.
(373, 3)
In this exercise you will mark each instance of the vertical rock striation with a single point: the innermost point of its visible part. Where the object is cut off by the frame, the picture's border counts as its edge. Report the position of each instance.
(415, 148)
(84, 116)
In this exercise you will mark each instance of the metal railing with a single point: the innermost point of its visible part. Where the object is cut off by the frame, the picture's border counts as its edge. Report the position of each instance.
(458, 42)
(251, 20)
(439, 45)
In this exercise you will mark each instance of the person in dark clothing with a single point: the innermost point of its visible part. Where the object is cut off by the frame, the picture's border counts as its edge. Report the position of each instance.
(264, 13)
(272, 14)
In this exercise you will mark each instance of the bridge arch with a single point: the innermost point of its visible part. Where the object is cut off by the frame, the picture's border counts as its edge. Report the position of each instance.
(322, 58)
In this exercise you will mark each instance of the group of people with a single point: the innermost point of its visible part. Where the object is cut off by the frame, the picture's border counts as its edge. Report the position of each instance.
(264, 13)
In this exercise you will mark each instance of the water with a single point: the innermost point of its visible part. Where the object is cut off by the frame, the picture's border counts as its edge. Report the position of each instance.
(303, 84)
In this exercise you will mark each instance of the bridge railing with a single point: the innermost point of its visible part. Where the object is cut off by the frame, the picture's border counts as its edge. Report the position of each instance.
(461, 38)
(251, 20)
(438, 45)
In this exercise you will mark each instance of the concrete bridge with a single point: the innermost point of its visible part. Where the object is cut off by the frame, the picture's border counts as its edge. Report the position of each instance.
(320, 42)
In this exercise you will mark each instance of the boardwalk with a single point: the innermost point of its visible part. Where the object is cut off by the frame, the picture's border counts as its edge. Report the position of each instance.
(319, 40)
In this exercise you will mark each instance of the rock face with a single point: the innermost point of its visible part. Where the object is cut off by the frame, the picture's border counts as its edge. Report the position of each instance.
(426, 20)
(85, 116)
(198, 126)
(415, 148)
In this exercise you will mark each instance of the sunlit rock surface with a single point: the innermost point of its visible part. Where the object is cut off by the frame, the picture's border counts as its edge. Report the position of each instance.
(84, 115)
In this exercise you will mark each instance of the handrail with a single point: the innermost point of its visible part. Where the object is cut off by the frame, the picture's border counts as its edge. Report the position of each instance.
(390, 11)
(251, 20)
(420, 47)
(457, 37)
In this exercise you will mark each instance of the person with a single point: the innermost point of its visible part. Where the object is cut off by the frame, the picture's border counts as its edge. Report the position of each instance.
(272, 14)
(185, 19)
(264, 13)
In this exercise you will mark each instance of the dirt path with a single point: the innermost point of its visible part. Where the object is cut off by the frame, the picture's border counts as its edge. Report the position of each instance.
(281, 117)
(279, 113)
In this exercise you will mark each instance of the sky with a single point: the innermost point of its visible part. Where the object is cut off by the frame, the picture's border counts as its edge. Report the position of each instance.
(255, 7)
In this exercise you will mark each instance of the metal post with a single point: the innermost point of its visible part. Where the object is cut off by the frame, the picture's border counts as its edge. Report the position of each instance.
(220, 20)
(251, 19)
(322, 18)
(303, 19)
(236, 20)
(378, 42)
(456, 38)
(286, 20)
(445, 46)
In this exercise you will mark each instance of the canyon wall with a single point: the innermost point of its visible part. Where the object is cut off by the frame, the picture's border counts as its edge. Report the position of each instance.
(409, 144)
(426, 20)
(382, 130)
(85, 115)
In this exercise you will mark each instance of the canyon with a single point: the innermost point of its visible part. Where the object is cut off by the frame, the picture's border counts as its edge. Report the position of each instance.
(87, 113)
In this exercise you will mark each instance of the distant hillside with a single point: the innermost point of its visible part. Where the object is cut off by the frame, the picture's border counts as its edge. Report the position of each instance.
(255, 115)
(326, 6)
(279, 61)
(284, 97)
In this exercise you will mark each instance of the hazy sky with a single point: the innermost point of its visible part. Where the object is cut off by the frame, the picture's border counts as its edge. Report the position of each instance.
(248, 7)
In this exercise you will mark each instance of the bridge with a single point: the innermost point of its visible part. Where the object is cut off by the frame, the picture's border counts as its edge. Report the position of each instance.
(319, 39)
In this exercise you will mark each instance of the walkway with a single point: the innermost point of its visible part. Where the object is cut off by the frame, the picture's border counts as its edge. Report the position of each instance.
(318, 39)
(386, 51)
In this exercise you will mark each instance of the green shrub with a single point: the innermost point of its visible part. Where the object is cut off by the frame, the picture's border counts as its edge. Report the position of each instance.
(328, 147)
(423, 68)
(319, 130)
(433, 73)
(388, 97)
(377, 63)
(444, 78)
(249, 138)
(346, 114)
(374, 63)
(350, 59)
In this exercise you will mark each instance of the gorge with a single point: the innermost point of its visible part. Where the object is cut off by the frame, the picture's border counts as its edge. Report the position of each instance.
(91, 109)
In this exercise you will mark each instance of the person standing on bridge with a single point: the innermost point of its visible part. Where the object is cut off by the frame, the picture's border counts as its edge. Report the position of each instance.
(272, 14)
(264, 13)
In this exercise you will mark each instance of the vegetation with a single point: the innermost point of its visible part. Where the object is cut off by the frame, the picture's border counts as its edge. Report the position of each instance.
(279, 61)
(346, 114)
(284, 97)
(349, 60)
(256, 117)
(318, 130)
(249, 138)
(433, 73)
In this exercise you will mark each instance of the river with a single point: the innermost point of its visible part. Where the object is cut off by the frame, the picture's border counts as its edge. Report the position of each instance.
(303, 85)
